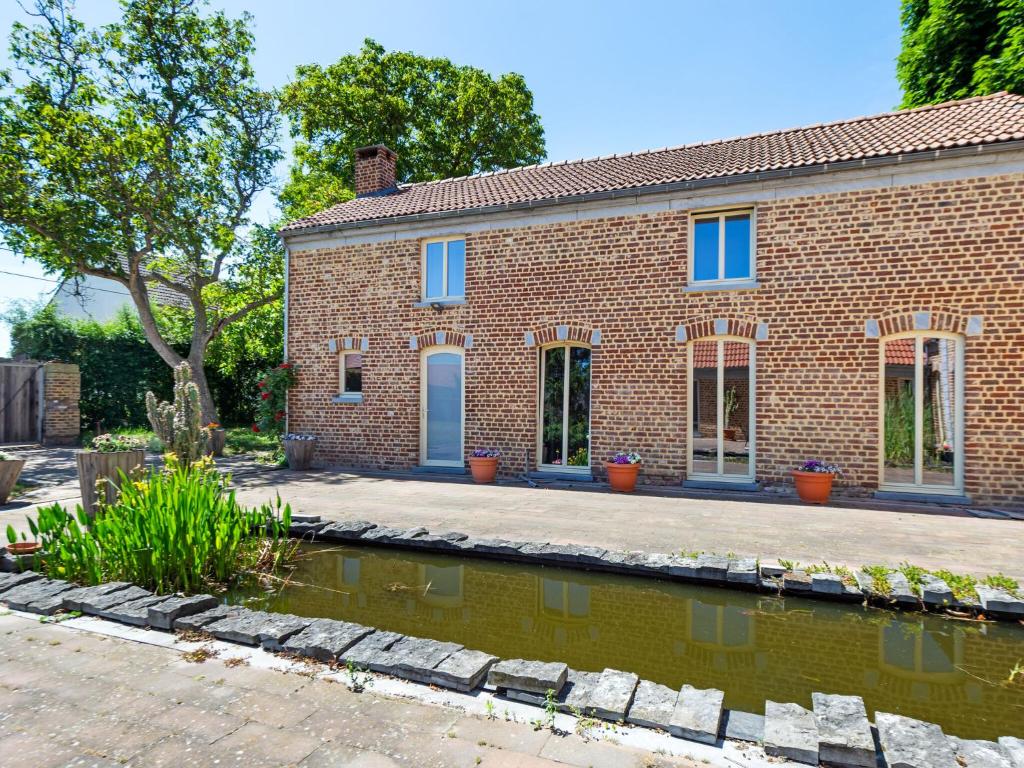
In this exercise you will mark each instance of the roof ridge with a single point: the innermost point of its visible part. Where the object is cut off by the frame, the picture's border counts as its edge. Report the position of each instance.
(716, 142)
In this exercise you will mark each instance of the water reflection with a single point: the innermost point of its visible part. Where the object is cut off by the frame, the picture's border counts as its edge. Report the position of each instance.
(751, 646)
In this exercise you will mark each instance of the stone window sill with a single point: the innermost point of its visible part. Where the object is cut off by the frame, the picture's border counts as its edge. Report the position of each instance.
(443, 302)
(737, 285)
(348, 397)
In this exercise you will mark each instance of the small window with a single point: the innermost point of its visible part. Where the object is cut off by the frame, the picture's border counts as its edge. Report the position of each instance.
(351, 373)
(722, 247)
(444, 269)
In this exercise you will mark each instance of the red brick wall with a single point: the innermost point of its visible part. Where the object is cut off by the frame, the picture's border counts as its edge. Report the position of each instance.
(825, 264)
(61, 392)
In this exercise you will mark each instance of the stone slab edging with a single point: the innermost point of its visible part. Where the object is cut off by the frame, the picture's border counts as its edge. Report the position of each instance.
(715, 570)
(840, 733)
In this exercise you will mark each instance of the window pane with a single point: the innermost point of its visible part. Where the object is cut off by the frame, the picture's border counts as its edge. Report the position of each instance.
(736, 408)
(353, 373)
(435, 270)
(705, 249)
(898, 431)
(444, 407)
(939, 391)
(737, 246)
(704, 380)
(457, 268)
(551, 427)
(579, 407)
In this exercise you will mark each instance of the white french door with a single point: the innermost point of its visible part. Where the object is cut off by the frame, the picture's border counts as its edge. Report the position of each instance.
(563, 441)
(442, 388)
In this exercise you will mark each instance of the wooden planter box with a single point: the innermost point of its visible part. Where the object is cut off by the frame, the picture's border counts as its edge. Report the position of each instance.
(299, 453)
(9, 471)
(93, 465)
(215, 445)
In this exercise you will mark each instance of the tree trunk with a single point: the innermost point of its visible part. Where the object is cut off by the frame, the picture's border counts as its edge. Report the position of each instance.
(206, 404)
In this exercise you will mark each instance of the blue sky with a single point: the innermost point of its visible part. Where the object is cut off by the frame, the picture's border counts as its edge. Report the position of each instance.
(606, 77)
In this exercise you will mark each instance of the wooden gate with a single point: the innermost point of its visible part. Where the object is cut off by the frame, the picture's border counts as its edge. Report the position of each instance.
(20, 385)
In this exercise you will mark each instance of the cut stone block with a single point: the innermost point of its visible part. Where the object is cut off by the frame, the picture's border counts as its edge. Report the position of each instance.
(381, 535)
(305, 530)
(491, 546)
(72, 600)
(268, 630)
(12, 580)
(653, 705)
(790, 732)
(533, 676)
(625, 561)
(743, 726)
(368, 648)
(326, 639)
(796, 581)
(347, 530)
(96, 604)
(935, 591)
(844, 734)
(1014, 749)
(910, 743)
(199, 621)
(464, 670)
(979, 754)
(439, 540)
(163, 615)
(613, 694)
(409, 536)
(826, 584)
(999, 601)
(135, 612)
(712, 568)
(698, 714)
(770, 571)
(683, 567)
(901, 590)
(19, 598)
(58, 601)
(577, 693)
(412, 658)
(743, 571)
(566, 553)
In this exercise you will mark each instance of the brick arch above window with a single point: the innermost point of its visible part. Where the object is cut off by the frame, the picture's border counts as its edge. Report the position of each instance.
(701, 327)
(441, 338)
(923, 320)
(562, 333)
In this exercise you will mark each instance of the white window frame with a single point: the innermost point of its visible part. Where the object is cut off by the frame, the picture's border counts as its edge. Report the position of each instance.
(918, 486)
(424, 357)
(564, 468)
(721, 214)
(721, 476)
(444, 270)
(341, 374)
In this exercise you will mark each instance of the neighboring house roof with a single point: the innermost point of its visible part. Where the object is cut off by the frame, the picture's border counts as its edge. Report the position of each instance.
(101, 299)
(983, 120)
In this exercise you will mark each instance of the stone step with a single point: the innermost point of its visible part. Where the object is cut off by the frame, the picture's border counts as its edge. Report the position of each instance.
(163, 615)
(19, 598)
(412, 658)
(326, 639)
(979, 754)
(364, 651)
(99, 602)
(199, 621)
(999, 601)
(653, 705)
(269, 630)
(698, 714)
(910, 743)
(134, 612)
(530, 676)
(463, 671)
(790, 731)
(844, 734)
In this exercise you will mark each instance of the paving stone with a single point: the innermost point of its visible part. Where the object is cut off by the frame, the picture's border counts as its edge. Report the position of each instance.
(439, 540)
(19, 598)
(409, 536)
(464, 670)
(979, 754)
(743, 726)
(935, 591)
(578, 692)
(910, 743)
(796, 581)
(698, 714)
(658, 564)
(72, 599)
(1014, 749)
(653, 705)
(826, 584)
(11, 580)
(712, 568)
(901, 591)
(268, 630)
(96, 603)
(381, 535)
(197, 621)
(413, 658)
(135, 612)
(347, 530)
(164, 614)
(566, 553)
(59, 601)
(790, 731)
(368, 648)
(625, 561)
(613, 694)
(326, 639)
(683, 567)
(743, 571)
(844, 734)
(999, 601)
(532, 676)
(491, 546)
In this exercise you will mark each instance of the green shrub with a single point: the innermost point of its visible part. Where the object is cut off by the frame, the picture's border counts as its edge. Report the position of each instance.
(173, 530)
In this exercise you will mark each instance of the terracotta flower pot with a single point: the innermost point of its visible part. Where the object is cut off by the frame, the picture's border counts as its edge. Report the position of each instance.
(813, 487)
(622, 477)
(24, 547)
(484, 468)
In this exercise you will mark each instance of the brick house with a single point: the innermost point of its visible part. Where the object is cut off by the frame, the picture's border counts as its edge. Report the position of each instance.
(852, 292)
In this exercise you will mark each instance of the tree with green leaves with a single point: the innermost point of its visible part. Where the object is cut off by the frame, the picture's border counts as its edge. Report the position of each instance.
(953, 49)
(442, 119)
(133, 152)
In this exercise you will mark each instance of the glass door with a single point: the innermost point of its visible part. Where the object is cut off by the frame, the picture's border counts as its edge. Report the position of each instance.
(565, 409)
(922, 413)
(441, 400)
(721, 410)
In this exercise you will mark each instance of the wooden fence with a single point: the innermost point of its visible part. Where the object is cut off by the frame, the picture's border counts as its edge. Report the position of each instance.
(21, 388)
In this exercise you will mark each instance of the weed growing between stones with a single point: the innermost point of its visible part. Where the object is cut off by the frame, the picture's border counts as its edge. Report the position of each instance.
(59, 617)
(915, 576)
(359, 679)
(550, 709)
(880, 578)
(999, 581)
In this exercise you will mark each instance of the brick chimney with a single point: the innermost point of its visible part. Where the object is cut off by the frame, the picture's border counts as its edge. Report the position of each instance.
(375, 170)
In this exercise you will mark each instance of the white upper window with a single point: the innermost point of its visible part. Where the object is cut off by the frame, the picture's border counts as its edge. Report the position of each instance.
(722, 246)
(444, 269)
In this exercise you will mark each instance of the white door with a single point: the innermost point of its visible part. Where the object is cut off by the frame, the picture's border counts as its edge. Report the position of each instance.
(441, 407)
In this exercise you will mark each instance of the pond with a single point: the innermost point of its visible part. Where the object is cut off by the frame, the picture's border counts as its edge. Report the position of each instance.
(754, 647)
